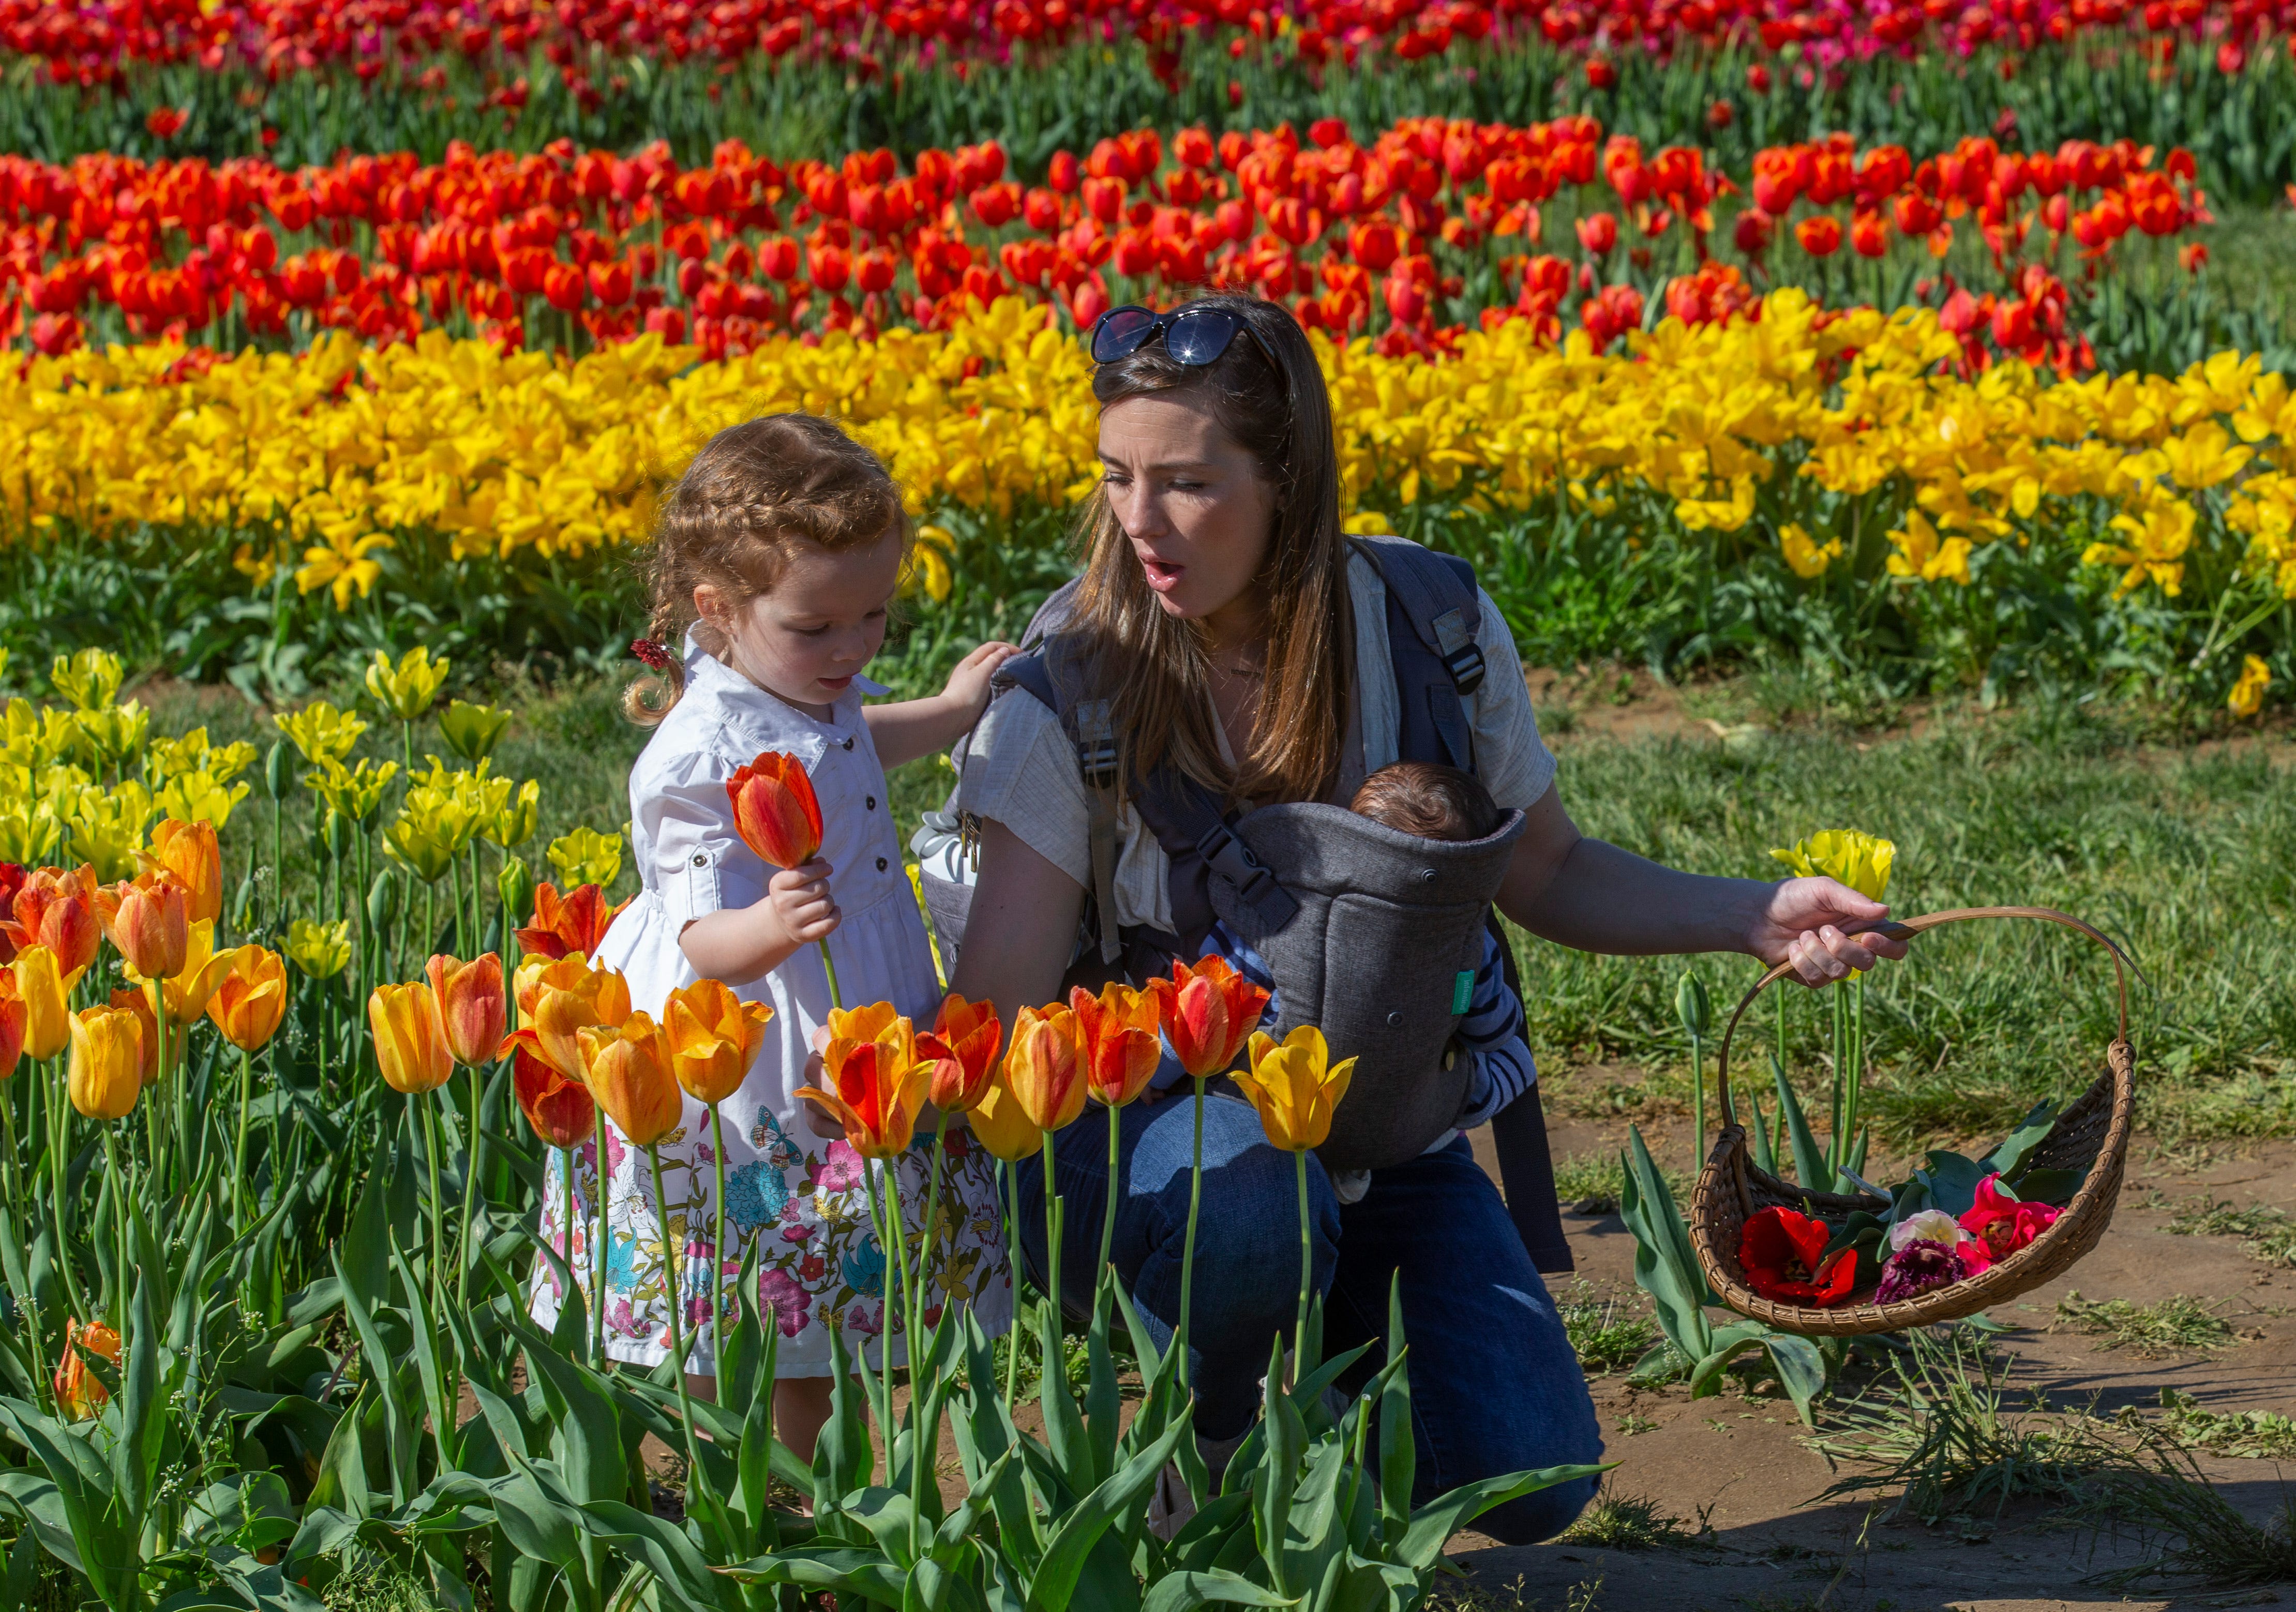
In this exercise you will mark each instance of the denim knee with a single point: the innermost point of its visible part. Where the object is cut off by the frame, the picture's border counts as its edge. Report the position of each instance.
(1537, 1516)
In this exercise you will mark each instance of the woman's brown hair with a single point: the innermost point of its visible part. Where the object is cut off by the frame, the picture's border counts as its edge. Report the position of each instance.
(753, 490)
(1268, 395)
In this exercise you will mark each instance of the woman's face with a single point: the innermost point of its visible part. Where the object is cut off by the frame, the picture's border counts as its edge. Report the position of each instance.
(1193, 503)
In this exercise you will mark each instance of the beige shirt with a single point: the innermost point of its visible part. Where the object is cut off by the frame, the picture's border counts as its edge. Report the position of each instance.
(1021, 770)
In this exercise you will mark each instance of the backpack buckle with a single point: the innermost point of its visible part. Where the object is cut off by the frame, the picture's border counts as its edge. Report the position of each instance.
(1462, 657)
(1095, 744)
(1227, 856)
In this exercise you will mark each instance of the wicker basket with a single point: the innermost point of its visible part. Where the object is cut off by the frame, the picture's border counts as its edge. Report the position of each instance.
(1730, 1189)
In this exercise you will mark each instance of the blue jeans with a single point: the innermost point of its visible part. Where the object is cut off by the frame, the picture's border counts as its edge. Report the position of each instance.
(1495, 1387)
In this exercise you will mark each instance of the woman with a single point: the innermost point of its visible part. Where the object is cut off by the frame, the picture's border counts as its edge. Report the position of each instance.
(1238, 637)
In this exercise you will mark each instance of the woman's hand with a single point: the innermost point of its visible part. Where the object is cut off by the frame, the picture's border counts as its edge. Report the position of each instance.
(1806, 922)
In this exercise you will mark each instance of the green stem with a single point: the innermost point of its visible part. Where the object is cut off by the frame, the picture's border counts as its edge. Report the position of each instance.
(1188, 1251)
(120, 1230)
(566, 1226)
(598, 1251)
(473, 1164)
(239, 1160)
(697, 1479)
(900, 1255)
(717, 1257)
(1698, 1083)
(1108, 1216)
(1307, 1266)
(829, 967)
(1052, 1244)
(1837, 1150)
(931, 1231)
(1855, 1106)
(438, 1217)
(1011, 1175)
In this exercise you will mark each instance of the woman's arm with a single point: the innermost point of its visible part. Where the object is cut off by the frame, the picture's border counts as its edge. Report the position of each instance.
(1593, 896)
(1021, 930)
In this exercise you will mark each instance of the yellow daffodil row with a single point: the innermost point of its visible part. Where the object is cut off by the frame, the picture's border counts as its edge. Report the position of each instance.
(342, 448)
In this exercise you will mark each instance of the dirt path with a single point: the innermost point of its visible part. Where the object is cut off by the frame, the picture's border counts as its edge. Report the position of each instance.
(1737, 1465)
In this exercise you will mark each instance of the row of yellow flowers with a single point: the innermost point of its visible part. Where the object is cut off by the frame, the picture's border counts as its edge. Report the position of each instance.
(530, 453)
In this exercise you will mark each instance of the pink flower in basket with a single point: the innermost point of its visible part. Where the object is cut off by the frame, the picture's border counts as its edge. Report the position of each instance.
(2003, 1223)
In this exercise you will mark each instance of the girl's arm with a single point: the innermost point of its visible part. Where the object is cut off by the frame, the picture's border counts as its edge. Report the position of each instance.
(908, 729)
(1594, 898)
(738, 945)
(1023, 926)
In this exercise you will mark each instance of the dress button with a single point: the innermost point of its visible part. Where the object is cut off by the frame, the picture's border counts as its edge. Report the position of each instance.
(849, 744)
(869, 802)
(880, 864)
(700, 860)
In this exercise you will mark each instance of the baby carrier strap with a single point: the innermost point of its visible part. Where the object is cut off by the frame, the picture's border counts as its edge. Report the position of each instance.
(1434, 612)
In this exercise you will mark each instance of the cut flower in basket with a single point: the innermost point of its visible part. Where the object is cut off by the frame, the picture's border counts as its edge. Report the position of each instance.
(2003, 1224)
(1784, 1256)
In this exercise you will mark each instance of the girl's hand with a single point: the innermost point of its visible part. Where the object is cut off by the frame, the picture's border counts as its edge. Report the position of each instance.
(802, 903)
(819, 1120)
(968, 684)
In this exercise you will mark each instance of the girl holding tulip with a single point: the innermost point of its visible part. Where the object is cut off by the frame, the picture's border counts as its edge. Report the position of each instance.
(1243, 645)
(763, 833)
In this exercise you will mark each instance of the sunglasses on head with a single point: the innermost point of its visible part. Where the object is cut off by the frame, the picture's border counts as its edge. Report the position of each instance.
(1195, 333)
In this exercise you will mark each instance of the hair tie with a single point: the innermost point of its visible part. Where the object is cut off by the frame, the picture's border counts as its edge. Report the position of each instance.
(653, 653)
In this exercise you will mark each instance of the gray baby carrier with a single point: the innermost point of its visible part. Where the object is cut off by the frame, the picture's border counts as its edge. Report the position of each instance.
(1374, 935)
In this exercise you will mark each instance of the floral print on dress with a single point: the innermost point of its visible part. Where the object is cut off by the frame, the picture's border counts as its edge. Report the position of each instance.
(806, 1215)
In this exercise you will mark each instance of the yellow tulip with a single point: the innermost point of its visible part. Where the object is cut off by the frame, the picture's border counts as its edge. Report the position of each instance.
(585, 856)
(407, 688)
(628, 1070)
(186, 992)
(356, 790)
(200, 798)
(410, 1043)
(90, 679)
(420, 841)
(1043, 1067)
(187, 853)
(559, 1000)
(714, 1037)
(2247, 697)
(1295, 1086)
(514, 823)
(323, 733)
(250, 997)
(1003, 1126)
(47, 1011)
(1860, 860)
(472, 730)
(321, 951)
(107, 1062)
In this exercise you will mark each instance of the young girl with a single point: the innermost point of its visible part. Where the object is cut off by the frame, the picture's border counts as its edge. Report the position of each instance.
(779, 551)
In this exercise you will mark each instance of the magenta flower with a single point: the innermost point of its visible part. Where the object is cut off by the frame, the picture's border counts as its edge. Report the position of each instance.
(2005, 1223)
(1916, 1268)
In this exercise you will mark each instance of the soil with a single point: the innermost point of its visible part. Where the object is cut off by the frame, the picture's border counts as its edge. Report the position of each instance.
(1736, 1465)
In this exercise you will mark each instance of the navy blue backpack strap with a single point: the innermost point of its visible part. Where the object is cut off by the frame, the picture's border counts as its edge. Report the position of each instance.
(1198, 840)
(1433, 614)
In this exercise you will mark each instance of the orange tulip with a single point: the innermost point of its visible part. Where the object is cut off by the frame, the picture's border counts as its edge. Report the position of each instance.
(14, 1022)
(79, 1392)
(187, 853)
(879, 1082)
(1209, 1012)
(1043, 1069)
(775, 810)
(410, 1043)
(629, 1076)
(714, 1037)
(963, 1043)
(250, 998)
(1002, 1125)
(576, 922)
(561, 1111)
(470, 1005)
(558, 1000)
(1116, 1040)
(56, 909)
(150, 924)
(187, 990)
(136, 1002)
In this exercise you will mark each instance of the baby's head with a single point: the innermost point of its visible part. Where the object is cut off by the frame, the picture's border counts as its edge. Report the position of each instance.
(1433, 802)
(781, 547)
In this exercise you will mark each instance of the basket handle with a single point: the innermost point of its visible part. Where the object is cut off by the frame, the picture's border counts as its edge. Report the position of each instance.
(1906, 930)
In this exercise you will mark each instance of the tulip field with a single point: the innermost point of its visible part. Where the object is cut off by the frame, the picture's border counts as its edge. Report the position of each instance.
(1883, 353)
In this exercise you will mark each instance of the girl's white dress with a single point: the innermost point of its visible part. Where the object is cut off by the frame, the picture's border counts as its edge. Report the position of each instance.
(805, 1200)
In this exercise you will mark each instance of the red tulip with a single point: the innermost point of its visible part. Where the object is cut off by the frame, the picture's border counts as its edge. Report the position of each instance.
(1784, 1256)
(962, 1044)
(775, 809)
(1598, 233)
(1820, 236)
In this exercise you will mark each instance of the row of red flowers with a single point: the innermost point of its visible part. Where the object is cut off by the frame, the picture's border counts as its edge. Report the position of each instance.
(1356, 237)
(91, 40)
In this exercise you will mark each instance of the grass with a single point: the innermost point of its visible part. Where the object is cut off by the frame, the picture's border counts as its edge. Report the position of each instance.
(2187, 857)
(378, 1586)
(2175, 1325)
(1605, 1340)
(2161, 1493)
(1591, 1182)
(2243, 1434)
(1943, 1437)
(1630, 1522)
(2266, 1233)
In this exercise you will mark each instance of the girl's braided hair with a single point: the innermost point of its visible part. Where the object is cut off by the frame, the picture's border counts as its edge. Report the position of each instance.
(753, 493)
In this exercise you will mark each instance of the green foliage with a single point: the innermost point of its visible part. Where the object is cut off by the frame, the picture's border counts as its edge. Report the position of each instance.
(1605, 1340)
(2173, 1325)
(2267, 1232)
(2243, 1434)
(1629, 1522)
